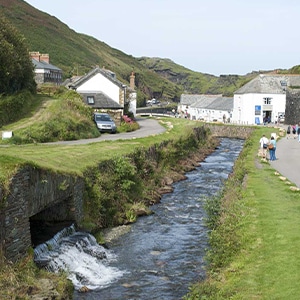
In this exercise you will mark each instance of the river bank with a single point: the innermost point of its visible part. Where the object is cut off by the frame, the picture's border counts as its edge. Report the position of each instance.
(255, 240)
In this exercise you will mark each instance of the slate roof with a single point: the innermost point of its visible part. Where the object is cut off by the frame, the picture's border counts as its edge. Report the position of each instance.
(216, 102)
(202, 101)
(107, 73)
(101, 101)
(269, 84)
(188, 99)
(44, 65)
(221, 103)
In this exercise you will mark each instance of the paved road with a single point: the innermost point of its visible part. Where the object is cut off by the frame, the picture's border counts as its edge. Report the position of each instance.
(147, 127)
(288, 159)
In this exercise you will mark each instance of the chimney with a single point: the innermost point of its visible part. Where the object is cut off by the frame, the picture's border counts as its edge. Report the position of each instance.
(132, 81)
(44, 58)
(35, 55)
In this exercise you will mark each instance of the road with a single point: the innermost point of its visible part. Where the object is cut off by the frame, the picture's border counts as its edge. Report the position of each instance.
(147, 127)
(288, 159)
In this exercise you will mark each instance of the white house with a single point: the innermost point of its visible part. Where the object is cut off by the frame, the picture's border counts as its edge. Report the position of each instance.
(101, 90)
(263, 97)
(209, 108)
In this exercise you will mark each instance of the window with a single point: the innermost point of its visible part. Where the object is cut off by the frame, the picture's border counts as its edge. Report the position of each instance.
(267, 100)
(90, 100)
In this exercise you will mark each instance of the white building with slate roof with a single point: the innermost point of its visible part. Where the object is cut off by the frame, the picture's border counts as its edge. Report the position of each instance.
(263, 97)
(101, 90)
(208, 108)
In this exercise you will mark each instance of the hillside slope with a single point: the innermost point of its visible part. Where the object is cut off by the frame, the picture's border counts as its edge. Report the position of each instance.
(77, 53)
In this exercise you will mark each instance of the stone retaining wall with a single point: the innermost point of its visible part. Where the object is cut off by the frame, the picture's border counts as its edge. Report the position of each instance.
(292, 111)
(33, 191)
(230, 131)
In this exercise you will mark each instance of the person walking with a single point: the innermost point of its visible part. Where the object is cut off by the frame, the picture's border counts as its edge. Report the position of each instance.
(272, 148)
(263, 146)
(288, 132)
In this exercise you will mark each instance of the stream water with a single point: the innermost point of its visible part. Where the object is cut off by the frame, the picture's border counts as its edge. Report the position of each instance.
(161, 255)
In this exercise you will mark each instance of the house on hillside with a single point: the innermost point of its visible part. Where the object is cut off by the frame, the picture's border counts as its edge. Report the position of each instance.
(208, 108)
(101, 90)
(44, 71)
(262, 98)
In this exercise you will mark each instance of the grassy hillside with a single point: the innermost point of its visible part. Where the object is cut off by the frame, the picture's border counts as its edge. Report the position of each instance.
(195, 82)
(77, 53)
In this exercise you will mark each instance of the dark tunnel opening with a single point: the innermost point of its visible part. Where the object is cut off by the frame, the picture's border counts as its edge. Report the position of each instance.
(45, 224)
(42, 231)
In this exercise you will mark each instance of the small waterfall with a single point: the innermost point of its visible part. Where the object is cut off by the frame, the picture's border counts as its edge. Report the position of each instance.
(79, 254)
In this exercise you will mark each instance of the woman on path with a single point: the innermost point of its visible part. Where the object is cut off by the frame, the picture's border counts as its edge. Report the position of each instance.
(272, 150)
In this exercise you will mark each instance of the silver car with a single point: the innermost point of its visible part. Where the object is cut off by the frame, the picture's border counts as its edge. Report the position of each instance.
(105, 123)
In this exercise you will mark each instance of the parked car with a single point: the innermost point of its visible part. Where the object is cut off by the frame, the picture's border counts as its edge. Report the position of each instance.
(105, 123)
(153, 102)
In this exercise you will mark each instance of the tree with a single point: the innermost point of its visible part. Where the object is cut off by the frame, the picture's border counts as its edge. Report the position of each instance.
(16, 68)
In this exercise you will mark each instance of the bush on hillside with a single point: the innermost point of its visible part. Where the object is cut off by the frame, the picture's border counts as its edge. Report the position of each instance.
(16, 68)
(68, 118)
(12, 108)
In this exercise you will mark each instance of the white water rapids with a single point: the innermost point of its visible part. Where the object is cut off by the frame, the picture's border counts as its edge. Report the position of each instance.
(78, 253)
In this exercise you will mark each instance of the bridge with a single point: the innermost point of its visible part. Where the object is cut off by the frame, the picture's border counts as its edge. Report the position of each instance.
(36, 195)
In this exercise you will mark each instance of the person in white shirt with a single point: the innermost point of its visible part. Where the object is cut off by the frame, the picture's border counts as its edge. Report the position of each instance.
(263, 146)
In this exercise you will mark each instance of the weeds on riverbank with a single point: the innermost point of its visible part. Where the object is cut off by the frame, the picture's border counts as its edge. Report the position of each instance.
(23, 280)
(121, 188)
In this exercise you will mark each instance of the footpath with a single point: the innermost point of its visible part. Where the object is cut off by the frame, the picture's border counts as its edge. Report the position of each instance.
(288, 159)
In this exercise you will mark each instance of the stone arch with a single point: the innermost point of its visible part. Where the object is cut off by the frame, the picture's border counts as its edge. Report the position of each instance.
(32, 192)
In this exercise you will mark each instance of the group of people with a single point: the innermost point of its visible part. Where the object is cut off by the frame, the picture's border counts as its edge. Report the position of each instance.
(295, 130)
(268, 145)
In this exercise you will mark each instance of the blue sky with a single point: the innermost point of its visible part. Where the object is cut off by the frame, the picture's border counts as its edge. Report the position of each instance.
(215, 37)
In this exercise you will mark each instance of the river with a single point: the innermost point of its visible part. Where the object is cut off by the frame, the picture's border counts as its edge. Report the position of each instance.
(161, 254)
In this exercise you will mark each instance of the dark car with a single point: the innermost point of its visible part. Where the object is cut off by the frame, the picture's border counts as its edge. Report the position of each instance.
(105, 123)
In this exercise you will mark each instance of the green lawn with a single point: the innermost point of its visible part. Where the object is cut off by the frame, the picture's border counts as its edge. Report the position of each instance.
(267, 266)
(271, 262)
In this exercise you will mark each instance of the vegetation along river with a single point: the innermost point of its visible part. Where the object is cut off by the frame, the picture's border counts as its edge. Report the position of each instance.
(160, 255)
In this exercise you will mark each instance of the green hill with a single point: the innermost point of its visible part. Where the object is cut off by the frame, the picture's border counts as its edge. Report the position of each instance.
(77, 53)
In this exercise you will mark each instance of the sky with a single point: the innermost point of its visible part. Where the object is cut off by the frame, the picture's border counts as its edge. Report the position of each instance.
(208, 36)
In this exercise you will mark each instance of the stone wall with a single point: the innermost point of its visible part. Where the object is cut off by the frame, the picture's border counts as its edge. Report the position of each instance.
(34, 191)
(292, 110)
(230, 131)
